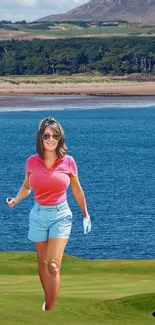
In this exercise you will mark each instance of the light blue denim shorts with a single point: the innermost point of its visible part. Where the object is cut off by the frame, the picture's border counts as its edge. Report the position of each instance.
(49, 222)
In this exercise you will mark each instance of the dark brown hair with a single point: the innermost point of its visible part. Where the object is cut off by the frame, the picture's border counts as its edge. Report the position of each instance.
(57, 128)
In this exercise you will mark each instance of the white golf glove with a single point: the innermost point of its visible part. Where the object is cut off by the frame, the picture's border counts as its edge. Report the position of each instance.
(86, 224)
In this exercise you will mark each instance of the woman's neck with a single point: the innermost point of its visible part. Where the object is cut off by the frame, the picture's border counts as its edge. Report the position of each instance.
(50, 155)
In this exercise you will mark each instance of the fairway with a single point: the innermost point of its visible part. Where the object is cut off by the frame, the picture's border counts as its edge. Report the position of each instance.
(62, 30)
(92, 292)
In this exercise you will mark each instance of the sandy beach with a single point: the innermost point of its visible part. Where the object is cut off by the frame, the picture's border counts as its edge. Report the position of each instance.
(81, 89)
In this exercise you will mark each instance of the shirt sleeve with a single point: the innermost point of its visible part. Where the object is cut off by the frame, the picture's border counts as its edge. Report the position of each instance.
(73, 168)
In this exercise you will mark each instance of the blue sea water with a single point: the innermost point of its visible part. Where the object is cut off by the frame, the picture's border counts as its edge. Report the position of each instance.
(114, 149)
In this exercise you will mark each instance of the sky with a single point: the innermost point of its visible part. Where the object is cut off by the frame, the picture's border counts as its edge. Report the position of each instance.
(31, 10)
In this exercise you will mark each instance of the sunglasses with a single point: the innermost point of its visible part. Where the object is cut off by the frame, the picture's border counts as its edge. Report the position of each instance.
(55, 136)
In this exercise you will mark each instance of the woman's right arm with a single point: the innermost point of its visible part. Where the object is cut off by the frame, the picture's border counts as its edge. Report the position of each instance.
(23, 192)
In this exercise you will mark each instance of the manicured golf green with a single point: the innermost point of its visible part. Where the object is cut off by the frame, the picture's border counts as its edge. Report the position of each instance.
(92, 292)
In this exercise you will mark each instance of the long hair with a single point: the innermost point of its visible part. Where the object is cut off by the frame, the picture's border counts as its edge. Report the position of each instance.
(57, 128)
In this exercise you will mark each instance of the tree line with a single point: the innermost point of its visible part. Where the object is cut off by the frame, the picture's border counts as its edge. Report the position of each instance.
(117, 56)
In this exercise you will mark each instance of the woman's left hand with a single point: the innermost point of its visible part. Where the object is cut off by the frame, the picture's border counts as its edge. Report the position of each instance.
(86, 224)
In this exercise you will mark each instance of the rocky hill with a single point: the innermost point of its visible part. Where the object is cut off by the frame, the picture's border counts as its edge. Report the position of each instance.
(110, 10)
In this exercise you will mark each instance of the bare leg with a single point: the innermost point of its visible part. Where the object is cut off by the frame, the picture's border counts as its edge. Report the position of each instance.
(55, 251)
(41, 248)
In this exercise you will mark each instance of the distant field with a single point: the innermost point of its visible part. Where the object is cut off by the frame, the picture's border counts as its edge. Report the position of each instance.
(75, 79)
(81, 78)
(95, 31)
(69, 30)
(93, 292)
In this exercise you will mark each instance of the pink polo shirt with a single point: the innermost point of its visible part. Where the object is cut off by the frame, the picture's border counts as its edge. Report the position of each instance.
(50, 184)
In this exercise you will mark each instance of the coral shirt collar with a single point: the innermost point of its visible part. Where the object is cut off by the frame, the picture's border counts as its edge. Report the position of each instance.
(57, 160)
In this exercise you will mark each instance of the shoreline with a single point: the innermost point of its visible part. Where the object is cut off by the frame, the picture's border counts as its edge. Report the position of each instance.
(109, 89)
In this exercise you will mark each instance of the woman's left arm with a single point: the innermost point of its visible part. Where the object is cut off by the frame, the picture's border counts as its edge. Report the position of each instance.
(80, 199)
(79, 194)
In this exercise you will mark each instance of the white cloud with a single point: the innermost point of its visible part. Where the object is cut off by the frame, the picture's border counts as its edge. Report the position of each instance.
(10, 4)
(26, 3)
(31, 10)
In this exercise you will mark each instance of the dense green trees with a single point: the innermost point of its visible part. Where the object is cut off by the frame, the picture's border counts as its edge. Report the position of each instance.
(116, 56)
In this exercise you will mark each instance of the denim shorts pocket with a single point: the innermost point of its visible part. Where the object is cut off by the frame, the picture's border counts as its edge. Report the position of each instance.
(69, 212)
(34, 211)
(65, 209)
(63, 206)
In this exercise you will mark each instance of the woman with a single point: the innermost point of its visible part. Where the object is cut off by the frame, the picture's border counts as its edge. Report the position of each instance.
(48, 174)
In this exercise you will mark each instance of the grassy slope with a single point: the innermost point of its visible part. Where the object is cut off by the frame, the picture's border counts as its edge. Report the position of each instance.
(75, 79)
(96, 31)
(64, 31)
(80, 78)
(26, 263)
(92, 292)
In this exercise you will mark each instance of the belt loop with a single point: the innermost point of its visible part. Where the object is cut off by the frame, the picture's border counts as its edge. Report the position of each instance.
(37, 206)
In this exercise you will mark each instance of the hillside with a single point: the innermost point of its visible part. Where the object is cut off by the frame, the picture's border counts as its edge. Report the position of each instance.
(109, 10)
(76, 29)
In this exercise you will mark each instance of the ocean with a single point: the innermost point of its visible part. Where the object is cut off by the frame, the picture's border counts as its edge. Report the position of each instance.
(113, 143)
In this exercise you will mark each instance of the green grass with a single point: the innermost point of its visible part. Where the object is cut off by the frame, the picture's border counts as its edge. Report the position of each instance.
(73, 31)
(93, 292)
(96, 31)
(77, 78)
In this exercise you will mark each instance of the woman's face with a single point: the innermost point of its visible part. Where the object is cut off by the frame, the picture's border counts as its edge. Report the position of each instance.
(49, 141)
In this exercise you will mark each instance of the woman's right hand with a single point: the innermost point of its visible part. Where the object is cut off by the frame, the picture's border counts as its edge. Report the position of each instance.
(11, 202)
